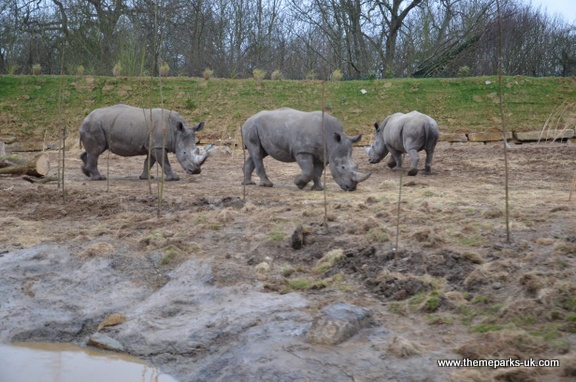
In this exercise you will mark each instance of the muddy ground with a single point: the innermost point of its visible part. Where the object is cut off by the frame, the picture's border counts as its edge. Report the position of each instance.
(444, 282)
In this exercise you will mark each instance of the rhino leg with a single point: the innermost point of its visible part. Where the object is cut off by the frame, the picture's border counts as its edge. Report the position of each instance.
(317, 176)
(428, 163)
(397, 158)
(391, 162)
(261, 171)
(413, 162)
(83, 167)
(147, 166)
(248, 170)
(165, 164)
(306, 163)
(90, 166)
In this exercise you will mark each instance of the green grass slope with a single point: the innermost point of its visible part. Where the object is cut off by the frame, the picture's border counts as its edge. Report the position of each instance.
(38, 107)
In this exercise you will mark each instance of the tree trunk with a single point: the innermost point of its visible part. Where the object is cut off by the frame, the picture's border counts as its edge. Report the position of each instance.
(38, 166)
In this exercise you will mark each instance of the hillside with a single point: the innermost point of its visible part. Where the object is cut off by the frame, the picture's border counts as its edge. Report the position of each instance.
(37, 107)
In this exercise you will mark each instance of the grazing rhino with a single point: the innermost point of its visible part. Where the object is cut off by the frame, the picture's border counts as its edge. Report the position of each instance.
(290, 135)
(130, 131)
(405, 133)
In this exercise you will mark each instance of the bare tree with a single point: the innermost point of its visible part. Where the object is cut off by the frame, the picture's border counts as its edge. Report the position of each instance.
(360, 37)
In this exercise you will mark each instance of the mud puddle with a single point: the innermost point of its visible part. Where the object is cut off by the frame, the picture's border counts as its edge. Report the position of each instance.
(49, 362)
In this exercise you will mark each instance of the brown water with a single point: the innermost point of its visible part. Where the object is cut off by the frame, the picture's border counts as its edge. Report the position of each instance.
(45, 362)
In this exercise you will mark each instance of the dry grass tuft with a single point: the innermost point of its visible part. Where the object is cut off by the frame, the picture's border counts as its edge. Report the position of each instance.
(328, 260)
(568, 364)
(403, 348)
(112, 320)
(565, 248)
(498, 270)
(478, 276)
(262, 267)
(427, 238)
(456, 298)
(532, 282)
(546, 297)
(514, 343)
(249, 207)
(469, 375)
(517, 374)
(544, 241)
(493, 213)
(227, 215)
(96, 250)
(473, 257)
(386, 276)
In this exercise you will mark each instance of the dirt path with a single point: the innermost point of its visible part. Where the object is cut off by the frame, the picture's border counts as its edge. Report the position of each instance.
(453, 284)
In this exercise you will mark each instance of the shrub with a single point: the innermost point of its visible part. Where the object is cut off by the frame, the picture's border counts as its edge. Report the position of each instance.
(276, 75)
(164, 70)
(207, 73)
(311, 75)
(117, 70)
(190, 103)
(12, 69)
(79, 70)
(337, 75)
(36, 69)
(464, 71)
(258, 75)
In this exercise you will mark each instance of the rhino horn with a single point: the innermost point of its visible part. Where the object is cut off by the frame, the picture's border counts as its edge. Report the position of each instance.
(367, 149)
(360, 177)
(199, 158)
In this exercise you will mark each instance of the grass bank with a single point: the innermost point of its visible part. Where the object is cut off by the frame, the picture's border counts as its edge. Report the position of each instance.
(37, 107)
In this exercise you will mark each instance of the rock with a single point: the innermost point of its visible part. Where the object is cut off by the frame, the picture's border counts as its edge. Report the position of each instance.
(544, 135)
(218, 151)
(297, 239)
(338, 322)
(452, 137)
(488, 136)
(102, 341)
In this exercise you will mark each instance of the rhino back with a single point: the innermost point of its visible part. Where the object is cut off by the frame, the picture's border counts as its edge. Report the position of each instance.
(128, 128)
(284, 133)
(411, 131)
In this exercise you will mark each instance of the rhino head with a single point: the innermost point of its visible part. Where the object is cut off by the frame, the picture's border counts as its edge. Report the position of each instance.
(377, 150)
(186, 151)
(342, 167)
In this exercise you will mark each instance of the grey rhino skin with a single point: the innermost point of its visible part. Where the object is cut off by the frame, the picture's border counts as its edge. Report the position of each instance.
(128, 131)
(290, 135)
(405, 133)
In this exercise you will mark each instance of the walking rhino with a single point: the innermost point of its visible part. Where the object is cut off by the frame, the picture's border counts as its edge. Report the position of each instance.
(130, 131)
(289, 135)
(405, 133)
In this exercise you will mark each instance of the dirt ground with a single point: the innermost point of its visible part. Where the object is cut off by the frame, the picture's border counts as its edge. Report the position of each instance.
(437, 267)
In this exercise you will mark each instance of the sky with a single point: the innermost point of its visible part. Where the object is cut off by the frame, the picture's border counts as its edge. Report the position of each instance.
(564, 8)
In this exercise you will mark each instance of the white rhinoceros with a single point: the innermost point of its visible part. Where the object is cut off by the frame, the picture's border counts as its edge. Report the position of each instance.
(290, 135)
(405, 133)
(130, 131)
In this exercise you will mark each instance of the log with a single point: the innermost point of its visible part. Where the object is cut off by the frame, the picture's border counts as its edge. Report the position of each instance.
(38, 166)
(40, 180)
(11, 160)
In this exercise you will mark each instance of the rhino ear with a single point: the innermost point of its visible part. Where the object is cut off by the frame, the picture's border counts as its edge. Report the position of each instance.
(356, 139)
(180, 126)
(337, 137)
(376, 125)
(199, 126)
